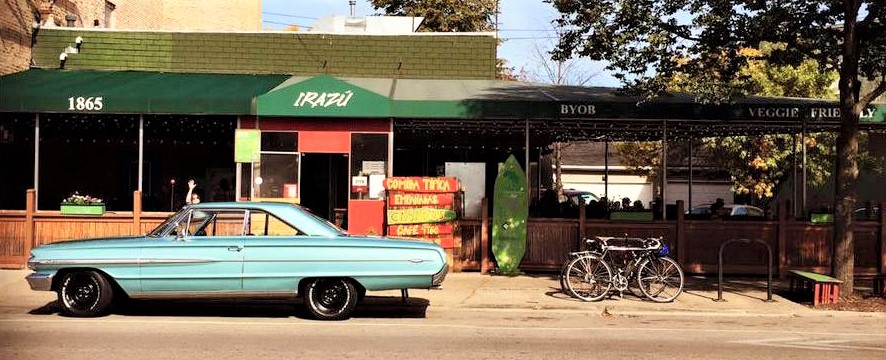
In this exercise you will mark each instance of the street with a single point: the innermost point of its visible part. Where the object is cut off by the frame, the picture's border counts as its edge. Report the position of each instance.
(384, 328)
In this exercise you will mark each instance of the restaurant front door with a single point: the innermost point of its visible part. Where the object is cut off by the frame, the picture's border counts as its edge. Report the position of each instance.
(324, 183)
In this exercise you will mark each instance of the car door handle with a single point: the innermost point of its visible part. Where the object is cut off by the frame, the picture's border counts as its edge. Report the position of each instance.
(235, 248)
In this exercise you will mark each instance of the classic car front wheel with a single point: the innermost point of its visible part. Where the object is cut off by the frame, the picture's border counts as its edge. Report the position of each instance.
(84, 293)
(331, 299)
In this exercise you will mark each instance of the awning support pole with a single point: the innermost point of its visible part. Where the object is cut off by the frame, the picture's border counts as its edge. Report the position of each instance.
(664, 169)
(526, 154)
(689, 194)
(238, 171)
(606, 173)
(794, 208)
(803, 144)
(141, 150)
(36, 160)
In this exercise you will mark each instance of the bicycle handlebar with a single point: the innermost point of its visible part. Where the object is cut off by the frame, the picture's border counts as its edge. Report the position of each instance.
(652, 243)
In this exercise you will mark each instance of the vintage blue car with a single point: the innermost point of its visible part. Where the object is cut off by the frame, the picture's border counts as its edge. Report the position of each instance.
(244, 250)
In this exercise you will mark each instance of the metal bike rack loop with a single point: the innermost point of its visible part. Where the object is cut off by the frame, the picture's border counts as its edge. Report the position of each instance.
(720, 267)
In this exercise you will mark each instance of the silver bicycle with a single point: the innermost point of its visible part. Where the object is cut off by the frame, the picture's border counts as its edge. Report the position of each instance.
(623, 263)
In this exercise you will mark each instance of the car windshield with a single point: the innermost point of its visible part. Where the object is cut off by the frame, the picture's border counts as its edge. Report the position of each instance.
(169, 222)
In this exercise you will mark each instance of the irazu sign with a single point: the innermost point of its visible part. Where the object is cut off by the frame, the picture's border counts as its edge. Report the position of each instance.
(323, 95)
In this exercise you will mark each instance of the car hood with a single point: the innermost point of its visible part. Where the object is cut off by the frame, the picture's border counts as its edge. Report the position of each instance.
(98, 243)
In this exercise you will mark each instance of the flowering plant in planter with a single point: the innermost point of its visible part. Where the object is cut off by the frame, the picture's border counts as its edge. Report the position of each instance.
(77, 199)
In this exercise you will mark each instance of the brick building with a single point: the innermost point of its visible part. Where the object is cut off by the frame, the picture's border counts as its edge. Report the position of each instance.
(19, 19)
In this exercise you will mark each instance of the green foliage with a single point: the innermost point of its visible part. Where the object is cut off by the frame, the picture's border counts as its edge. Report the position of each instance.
(444, 15)
(650, 43)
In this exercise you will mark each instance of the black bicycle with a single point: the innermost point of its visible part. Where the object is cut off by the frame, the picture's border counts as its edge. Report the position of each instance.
(617, 263)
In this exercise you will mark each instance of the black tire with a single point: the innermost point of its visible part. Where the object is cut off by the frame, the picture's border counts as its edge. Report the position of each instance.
(331, 298)
(84, 294)
(661, 279)
(588, 278)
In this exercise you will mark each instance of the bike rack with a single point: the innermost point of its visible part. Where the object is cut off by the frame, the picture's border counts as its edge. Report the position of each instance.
(720, 267)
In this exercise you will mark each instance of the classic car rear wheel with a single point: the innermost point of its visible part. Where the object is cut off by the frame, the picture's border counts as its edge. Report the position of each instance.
(84, 293)
(331, 298)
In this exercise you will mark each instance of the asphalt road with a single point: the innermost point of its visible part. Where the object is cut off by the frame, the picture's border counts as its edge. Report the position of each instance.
(386, 329)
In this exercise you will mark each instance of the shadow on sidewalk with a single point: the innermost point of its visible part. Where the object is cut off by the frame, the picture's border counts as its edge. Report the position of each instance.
(370, 307)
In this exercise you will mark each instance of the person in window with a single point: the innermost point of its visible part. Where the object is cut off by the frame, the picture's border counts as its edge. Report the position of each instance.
(717, 208)
(192, 197)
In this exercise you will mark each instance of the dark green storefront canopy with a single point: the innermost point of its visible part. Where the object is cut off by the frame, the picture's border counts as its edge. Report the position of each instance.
(132, 92)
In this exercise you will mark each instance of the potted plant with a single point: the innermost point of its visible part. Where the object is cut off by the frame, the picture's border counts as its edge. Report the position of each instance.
(77, 204)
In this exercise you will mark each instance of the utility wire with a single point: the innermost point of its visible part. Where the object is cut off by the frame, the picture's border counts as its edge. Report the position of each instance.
(288, 15)
(286, 24)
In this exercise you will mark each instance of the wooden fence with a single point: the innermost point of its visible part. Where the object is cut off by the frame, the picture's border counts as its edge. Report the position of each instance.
(694, 243)
(799, 245)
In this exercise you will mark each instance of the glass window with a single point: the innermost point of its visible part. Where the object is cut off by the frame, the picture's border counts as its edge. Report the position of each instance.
(216, 222)
(369, 163)
(276, 174)
(279, 141)
(16, 159)
(264, 224)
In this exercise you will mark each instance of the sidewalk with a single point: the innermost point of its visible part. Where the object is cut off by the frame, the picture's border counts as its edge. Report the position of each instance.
(542, 293)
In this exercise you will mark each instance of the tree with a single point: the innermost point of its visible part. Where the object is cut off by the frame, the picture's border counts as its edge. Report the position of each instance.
(648, 42)
(444, 15)
(452, 16)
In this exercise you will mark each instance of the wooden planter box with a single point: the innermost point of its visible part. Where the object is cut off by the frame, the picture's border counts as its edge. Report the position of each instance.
(72, 209)
(631, 215)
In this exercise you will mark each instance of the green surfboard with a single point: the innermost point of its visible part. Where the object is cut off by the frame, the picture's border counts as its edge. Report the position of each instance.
(510, 209)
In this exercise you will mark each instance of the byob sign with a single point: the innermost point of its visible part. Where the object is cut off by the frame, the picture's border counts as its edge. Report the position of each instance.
(247, 145)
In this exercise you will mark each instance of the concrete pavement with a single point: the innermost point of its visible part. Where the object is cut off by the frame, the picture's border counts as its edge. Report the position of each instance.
(539, 293)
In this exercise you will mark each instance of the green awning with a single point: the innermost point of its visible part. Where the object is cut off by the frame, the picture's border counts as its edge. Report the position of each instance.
(133, 92)
(327, 96)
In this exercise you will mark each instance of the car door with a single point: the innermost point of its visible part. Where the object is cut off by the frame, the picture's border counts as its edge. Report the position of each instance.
(203, 256)
(274, 261)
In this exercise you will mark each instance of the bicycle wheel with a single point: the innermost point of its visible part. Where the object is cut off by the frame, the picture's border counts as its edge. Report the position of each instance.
(660, 279)
(588, 278)
(563, 286)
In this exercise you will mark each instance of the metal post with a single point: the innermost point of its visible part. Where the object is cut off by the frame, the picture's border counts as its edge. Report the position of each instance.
(664, 170)
(689, 195)
(720, 267)
(141, 150)
(238, 168)
(36, 159)
(526, 161)
(803, 144)
(794, 207)
(606, 173)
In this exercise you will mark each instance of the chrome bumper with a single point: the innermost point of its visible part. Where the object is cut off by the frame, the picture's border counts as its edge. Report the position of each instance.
(40, 282)
(437, 279)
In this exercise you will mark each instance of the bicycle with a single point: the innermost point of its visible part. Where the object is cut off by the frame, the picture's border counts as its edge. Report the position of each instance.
(589, 275)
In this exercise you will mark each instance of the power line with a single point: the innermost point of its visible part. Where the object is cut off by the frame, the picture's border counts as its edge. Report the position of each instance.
(288, 15)
(286, 24)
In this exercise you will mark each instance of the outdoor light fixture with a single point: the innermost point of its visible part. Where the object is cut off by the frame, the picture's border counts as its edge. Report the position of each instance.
(79, 42)
(61, 60)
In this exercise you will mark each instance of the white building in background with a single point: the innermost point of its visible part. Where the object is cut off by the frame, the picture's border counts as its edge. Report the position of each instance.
(584, 168)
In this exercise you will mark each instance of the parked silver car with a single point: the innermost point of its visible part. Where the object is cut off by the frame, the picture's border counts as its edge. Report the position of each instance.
(703, 211)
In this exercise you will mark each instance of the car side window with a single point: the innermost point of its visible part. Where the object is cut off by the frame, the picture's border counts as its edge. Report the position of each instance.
(265, 224)
(740, 211)
(212, 223)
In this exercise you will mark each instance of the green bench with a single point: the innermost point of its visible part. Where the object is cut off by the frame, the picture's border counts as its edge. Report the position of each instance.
(825, 289)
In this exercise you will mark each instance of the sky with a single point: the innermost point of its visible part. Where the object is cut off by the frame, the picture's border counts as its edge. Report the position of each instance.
(524, 24)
